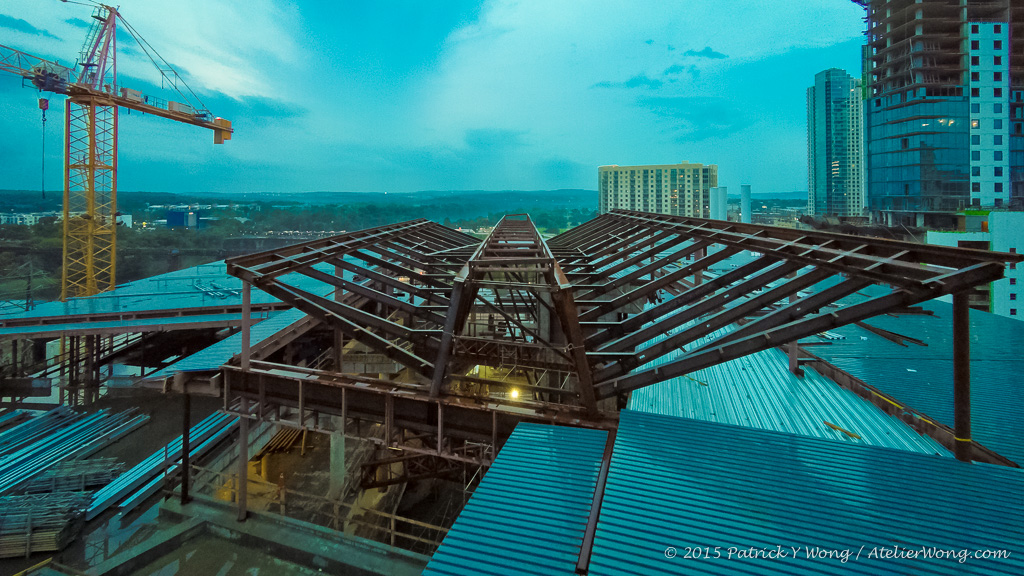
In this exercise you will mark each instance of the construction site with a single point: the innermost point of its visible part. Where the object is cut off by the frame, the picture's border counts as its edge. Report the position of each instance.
(640, 394)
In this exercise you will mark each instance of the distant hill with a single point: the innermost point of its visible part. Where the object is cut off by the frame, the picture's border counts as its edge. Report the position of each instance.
(453, 204)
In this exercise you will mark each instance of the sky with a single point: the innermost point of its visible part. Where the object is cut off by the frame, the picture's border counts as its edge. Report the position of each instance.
(408, 95)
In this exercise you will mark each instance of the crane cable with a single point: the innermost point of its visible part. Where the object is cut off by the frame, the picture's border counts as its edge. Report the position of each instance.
(42, 169)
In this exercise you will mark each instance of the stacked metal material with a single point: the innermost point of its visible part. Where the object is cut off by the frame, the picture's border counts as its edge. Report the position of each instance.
(76, 476)
(60, 434)
(12, 417)
(144, 479)
(282, 441)
(40, 523)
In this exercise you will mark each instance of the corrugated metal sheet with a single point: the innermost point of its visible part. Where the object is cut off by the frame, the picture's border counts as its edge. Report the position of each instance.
(207, 285)
(56, 329)
(922, 376)
(759, 391)
(682, 483)
(529, 513)
(215, 356)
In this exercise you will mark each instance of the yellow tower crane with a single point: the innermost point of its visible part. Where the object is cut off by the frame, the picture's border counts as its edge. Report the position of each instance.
(90, 141)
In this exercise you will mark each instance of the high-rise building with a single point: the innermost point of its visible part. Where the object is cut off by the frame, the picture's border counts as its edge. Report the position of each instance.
(679, 189)
(998, 230)
(944, 117)
(835, 145)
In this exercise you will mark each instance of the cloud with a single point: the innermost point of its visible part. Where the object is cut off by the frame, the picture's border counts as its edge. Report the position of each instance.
(256, 108)
(19, 25)
(638, 81)
(649, 42)
(707, 52)
(695, 118)
(78, 23)
(675, 69)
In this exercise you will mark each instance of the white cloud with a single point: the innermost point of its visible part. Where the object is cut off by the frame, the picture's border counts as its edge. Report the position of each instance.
(219, 46)
(532, 67)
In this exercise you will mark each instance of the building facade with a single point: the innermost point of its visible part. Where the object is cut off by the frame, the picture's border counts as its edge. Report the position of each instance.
(679, 189)
(1001, 231)
(944, 115)
(835, 145)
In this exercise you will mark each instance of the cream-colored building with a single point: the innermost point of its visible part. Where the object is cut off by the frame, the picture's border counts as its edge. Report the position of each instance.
(678, 189)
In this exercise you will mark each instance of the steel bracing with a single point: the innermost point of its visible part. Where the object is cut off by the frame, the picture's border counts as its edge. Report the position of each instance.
(446, 336)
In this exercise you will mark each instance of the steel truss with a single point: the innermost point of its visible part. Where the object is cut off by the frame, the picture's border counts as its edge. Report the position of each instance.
(520, 328)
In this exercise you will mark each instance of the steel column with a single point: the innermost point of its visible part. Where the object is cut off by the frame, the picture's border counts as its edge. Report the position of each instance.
(962, 376)
(246, 321)
(186, 425)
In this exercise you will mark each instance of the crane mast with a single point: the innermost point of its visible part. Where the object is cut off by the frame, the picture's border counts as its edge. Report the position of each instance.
(90, 176)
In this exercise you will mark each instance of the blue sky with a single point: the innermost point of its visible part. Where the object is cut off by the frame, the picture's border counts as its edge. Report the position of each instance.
(406, 95)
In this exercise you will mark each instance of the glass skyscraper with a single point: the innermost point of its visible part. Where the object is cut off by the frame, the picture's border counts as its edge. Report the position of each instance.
(944, 108)
(835, 170)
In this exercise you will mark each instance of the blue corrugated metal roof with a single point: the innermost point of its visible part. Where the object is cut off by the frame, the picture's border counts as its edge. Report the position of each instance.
(759, 391)
(207, 285)
(922, 376)
(681, 483)
(214, 356)
(529, 513)
(133, 324)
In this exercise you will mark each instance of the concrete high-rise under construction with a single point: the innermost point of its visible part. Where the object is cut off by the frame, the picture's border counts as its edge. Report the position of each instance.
(835, 145)
(944, 115)
(678, 189)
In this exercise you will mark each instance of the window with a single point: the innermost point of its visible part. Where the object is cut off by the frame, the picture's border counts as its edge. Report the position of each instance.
(998, 45)
(997, 124)
(975, 76)
(998, 186)
(998, 76)
(975, 186)
(1013, 281)
(1013, 296)
(975, 45)
(976, 139)
(997, 108)
(997, 171)
(975, 61)
(976, 155)
(974, 28)
(975, 123)
(1013, 311)
(997, 155)
(975, 170)
(997, 60)
(975, 108)
(905, 143)
(997, 92)
(997, 28)
(997, 140)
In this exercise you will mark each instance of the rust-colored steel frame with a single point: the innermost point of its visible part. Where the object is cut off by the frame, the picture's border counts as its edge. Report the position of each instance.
(593, 306)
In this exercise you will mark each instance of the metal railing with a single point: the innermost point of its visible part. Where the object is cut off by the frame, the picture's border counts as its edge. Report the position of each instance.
(384, 527)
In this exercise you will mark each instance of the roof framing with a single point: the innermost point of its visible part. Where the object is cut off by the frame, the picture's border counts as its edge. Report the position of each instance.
(579, 318)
